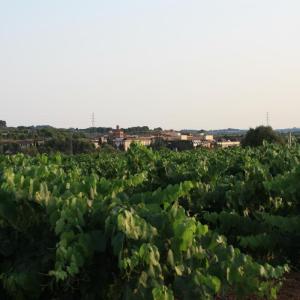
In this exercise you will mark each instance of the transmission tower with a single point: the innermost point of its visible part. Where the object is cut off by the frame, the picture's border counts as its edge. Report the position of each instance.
(71, 143)
(93, 120)
(290, 139)
(93, 131)
(268, 119)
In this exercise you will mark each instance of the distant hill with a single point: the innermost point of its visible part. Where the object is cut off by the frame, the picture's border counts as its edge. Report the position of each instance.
(146, 130)
(228, 131)
(287, 130)
(234, 131)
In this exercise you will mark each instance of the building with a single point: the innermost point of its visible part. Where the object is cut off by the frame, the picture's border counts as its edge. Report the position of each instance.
(24, 144)
(115, 137)
(202, 143)
(170, 135)
(145, 141)
(99, 141)
(209, 137)
(227, 144)
(183, 137)
(14, 146)
(118, 133)
(202, 140)
(118, 139)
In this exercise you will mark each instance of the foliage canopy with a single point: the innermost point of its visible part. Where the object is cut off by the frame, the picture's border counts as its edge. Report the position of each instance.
(149, 225)
(259, 135)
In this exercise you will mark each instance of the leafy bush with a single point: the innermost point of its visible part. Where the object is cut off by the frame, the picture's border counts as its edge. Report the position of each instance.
(256, 137)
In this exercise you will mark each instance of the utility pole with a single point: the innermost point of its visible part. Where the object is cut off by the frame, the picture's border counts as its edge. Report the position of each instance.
(290, 139)
(268, 119)
(93, 124)
(93, 119)
(71, 142)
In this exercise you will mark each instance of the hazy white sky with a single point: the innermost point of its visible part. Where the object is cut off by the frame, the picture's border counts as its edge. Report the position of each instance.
(170, 63)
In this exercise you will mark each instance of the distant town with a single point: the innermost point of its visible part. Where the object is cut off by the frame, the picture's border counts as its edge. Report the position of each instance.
(47, 139)
(172, 139)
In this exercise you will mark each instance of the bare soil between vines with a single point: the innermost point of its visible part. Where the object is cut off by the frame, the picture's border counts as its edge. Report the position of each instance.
(290, 289)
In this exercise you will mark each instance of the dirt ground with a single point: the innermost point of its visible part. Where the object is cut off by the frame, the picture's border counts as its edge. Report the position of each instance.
(291, 288)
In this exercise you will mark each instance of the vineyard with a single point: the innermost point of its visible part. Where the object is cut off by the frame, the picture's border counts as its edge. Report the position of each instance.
(149, 224)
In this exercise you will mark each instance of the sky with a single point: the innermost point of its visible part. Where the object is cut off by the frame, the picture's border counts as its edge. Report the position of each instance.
(169, 63)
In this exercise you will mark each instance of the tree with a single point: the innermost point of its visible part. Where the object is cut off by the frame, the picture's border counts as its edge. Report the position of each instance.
(256, 137)
(137, 130)
(159, 144)
(2, 124)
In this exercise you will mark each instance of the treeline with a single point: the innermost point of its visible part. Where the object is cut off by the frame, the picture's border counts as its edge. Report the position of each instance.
(141, 130)
(38, 132)
(23, 132)
(136, 130)
(47, 139)
(34, 140)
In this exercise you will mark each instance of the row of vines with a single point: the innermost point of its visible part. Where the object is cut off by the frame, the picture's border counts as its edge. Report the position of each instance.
(149, 225)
